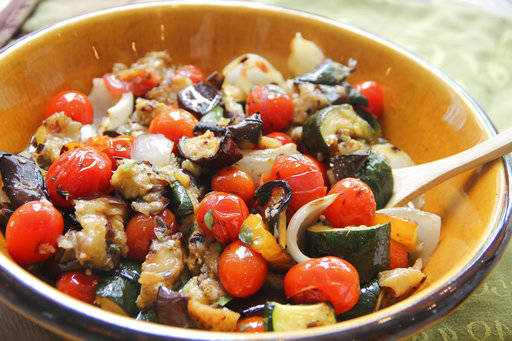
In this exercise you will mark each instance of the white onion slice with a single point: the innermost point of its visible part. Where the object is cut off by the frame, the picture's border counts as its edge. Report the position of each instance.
(155, 148)
(258, 162)
(119, 113)
(428, 232)
(305, 55)
(101, 99)
(87, 131)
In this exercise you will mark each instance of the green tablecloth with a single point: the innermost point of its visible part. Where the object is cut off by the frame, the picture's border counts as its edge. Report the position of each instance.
(472, 45)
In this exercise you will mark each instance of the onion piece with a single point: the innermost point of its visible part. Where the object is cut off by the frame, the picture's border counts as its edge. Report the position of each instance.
(101, 99)
(118, 114)
(305, 55)
(87, 131)
(258, 162)
(155, 148)
(402, 281)
(428, 232)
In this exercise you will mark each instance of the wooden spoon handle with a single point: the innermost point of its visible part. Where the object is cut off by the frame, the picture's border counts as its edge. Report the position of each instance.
(413, 181)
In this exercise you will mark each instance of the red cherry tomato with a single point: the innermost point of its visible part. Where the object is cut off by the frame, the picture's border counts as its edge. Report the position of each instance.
(115, 147)
(234, 180)
(398, 255)
(303, 176)
(74, 104)
(242, 271)
(140, 230)
(281, 137)
(78, 285)
(274, 105)
(193, 72)
(138, 82)
(221, 215)
(174, 124)
(373, 93)
(32, 231)
(353, 207)
(253, 324)
(323, 279)
(321, 166)
(78, 173)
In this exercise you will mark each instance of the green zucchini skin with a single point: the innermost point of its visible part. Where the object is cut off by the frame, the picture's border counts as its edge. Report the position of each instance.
(367, 302)
(180, 203)
(377, 174)
(311, 134)
(366, 248)
(148, 315)
(122, 286)
(285, 317)
(267, 316)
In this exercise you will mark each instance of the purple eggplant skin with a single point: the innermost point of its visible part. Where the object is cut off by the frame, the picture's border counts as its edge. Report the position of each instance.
(199, 99)
(273, 198)
(22, 179)
(226, 154)
(171, 308)
(346, 166)
(247, 130)
(215, 80)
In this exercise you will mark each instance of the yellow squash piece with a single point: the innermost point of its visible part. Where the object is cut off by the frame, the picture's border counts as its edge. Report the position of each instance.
(403, 231)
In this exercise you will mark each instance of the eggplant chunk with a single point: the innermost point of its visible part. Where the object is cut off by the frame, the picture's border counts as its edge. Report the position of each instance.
(171, 308)
(209, 150)
(273, 198)
(199, 98)
(328, 73)
(346, 166)
(248, 130)
(22, 179)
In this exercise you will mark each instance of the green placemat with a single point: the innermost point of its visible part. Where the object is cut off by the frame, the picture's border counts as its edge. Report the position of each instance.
(471, 45)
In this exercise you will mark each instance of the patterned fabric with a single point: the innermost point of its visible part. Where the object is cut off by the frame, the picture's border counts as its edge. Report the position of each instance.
(470, 44)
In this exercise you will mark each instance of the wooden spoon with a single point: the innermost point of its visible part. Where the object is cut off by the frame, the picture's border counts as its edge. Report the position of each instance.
(409, 182)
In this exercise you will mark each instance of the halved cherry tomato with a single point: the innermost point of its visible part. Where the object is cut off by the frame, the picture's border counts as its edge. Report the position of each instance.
(115, 147)
(253, 324)
(136, 81)
(320, 165)
(74, 104)
(140, 230)
(303, 176)
(323, 279)
(191, 71)
(353, 207)
(32, 231)
(281, 137)
(242, 271)
(398, 255)
(274, 105)
(234, 180)
(373, 93)
(78, 173)
(78, 285)
(221, 215)
(174, 124)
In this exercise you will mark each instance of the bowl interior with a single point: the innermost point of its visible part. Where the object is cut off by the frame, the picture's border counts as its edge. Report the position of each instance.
(423, 114)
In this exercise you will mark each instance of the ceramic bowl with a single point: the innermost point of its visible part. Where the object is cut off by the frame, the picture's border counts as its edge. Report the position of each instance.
(425, 114)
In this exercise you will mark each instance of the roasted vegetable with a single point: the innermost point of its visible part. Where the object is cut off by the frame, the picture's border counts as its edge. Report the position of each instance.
(248, 131)
(337, 130)
(22, 179)
(179, 201)
(346, 166)
(209, 150)
(367, 303)
(366, 248)
(255, 304)
(328, 73)
(148, 315)
(171, 308)
(288, 317)
(215, 116)
(401, 281)
(215, 80)
(199, 98)
(273, 199)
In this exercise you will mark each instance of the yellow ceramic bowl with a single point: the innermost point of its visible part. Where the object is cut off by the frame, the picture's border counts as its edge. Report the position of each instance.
(425, 114)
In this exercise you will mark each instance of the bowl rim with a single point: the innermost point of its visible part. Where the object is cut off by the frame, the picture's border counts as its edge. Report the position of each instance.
(51, 309)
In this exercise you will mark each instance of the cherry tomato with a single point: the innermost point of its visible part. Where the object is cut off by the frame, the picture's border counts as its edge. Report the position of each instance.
(253, 324)
(281, 137)
(78, 173)
(140, 230)
(373, 93)
(78, 285)
(193, 72)
(321, 166)
(303, 176)
(221, 215)
(136, 81)
(115, 147)
(353, 207)
(274, 105)
(242, 271)
(74, 104)
(174, 124)
(32, 231)
(398, 255)
(234, 180)
(323, 279)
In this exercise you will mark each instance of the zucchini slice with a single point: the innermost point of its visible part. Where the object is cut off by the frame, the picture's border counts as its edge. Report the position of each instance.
(366, 248)
(179, 201)
(284, 317)
(367, 302)
(336, 130)
(148, 315)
